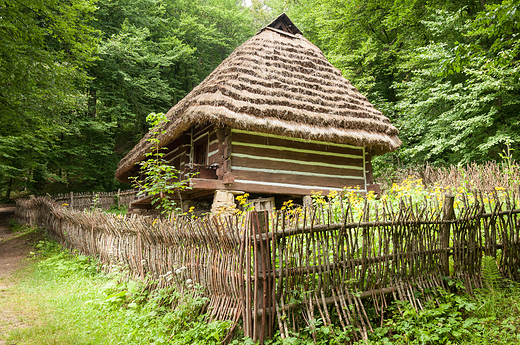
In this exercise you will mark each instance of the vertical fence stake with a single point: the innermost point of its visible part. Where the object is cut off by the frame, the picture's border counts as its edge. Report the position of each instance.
(71, 204)
(263, 293)
(447, 214)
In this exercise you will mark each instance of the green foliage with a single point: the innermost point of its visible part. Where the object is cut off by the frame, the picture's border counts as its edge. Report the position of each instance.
(456, 109)
(445, 73)
(65, 264)
(19, 228)
(446, 320)
(44, 47)
(121, 210)
(490, 273)
(158, 179)
(77, 304)
(77, 79)
(151, 55)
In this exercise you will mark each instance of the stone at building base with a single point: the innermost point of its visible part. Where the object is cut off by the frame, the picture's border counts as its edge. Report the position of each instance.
(223, 202)
(307, 201)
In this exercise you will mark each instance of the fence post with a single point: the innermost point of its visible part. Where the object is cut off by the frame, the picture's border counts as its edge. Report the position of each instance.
(71, 204)
(447, 214)
(263, 281)
(118, 198)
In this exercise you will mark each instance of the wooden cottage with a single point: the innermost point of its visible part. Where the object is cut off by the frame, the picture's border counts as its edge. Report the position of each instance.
(274, 119)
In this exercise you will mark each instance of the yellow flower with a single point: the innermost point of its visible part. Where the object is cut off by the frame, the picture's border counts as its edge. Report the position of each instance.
(332, 194)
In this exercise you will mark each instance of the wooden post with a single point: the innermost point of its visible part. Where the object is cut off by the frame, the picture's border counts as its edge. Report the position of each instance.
(118, 198)
(262, 293)
(71, 204)
(447, 214)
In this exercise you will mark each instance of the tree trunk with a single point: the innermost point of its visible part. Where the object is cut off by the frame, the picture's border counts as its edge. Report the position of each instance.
(9, 186)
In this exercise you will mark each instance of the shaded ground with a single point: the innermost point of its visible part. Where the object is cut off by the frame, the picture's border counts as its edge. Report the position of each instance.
(14, 249)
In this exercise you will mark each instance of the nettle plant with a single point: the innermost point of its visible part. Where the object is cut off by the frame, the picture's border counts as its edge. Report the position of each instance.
(157, 177)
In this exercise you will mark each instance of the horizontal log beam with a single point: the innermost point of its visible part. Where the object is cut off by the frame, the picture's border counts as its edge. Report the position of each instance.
(259, 187)
(337, 226)
(326, 268)
(330, 300)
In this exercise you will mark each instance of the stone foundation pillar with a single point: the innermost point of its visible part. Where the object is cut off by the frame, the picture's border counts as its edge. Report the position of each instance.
(307, 201)
(223, 202)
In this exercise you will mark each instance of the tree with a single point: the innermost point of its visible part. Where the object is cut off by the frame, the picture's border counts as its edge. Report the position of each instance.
(444, 72)
(78, 80)
(43, 47)
(462, 100)
(151, 55)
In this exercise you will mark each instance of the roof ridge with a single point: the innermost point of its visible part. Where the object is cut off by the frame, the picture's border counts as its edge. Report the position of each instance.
(284, 23)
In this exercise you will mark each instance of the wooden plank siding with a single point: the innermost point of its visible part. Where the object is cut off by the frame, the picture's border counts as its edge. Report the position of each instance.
(295, 164)
(181, 153)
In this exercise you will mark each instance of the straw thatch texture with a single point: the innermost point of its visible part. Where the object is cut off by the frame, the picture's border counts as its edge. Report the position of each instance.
(282, 84)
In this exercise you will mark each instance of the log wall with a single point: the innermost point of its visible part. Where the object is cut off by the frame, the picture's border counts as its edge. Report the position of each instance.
(292, 163)
(198, 146)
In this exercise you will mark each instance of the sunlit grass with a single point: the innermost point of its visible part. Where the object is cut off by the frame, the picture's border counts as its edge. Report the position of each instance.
(64, 300)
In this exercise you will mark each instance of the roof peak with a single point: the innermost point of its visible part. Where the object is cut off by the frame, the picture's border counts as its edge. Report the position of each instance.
(283, 23)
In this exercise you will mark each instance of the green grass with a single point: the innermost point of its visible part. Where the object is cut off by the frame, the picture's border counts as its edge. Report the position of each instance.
(487, 317)
(64, 300)
(122, 210)
(19, 228)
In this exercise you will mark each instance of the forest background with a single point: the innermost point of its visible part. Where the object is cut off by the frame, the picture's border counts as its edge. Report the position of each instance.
(79, 77)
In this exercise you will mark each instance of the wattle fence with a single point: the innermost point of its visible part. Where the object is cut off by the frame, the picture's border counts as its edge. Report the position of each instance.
(89, 200)
(280, 270)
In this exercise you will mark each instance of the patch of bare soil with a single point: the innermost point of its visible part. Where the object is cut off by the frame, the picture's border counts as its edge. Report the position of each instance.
(14, 250)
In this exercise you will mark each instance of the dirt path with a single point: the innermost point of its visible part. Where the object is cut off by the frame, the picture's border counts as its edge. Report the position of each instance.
(13, 249)
(13, 253)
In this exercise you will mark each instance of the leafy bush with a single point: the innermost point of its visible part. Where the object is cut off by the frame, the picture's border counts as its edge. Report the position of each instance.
(19, 228)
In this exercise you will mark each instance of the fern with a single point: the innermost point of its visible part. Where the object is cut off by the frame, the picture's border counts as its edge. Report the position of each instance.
(490, 273)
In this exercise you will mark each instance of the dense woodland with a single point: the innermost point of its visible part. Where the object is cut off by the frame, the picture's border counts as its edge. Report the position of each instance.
(79, 77)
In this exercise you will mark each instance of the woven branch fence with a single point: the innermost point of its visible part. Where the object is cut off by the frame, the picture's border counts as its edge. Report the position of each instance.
(280, 271)
(88, 200)
(483, 177)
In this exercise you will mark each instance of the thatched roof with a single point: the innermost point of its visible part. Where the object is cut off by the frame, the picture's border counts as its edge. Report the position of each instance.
(277, 82)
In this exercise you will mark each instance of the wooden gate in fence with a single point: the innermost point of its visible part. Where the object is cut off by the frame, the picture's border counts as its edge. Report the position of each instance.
(281, 270)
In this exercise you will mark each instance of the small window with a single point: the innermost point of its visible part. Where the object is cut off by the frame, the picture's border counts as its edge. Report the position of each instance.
(201, 153)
